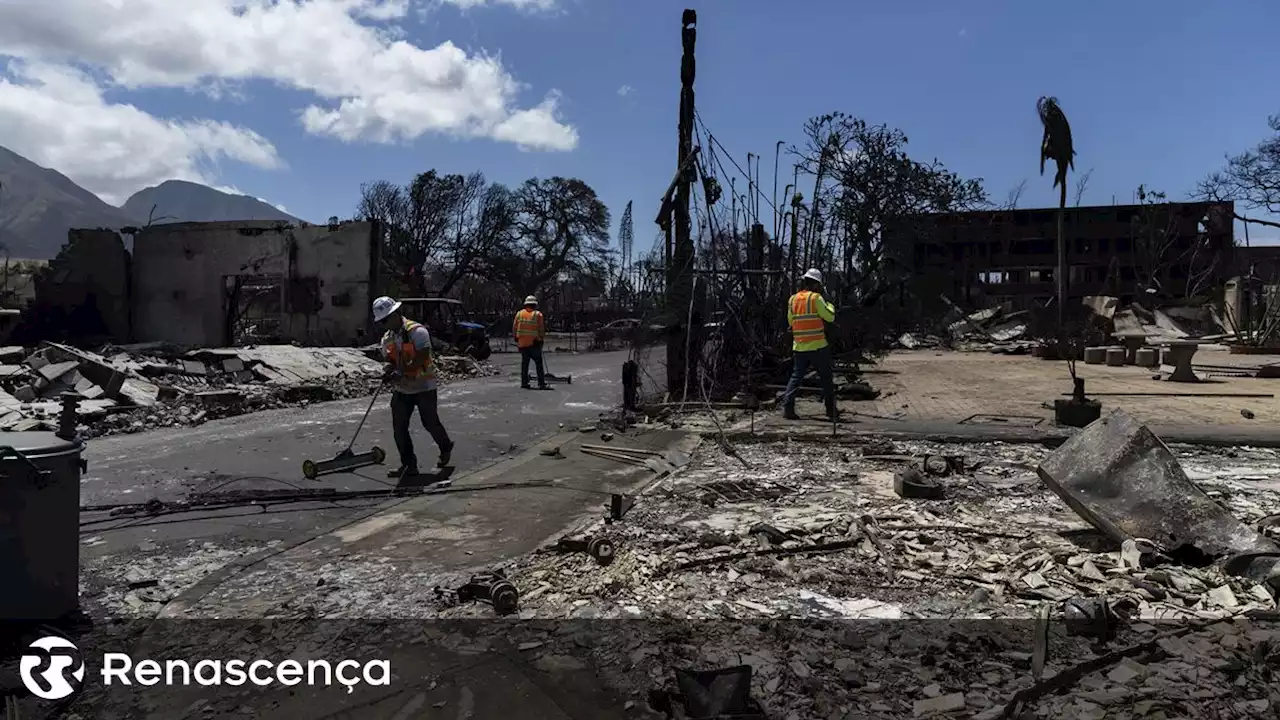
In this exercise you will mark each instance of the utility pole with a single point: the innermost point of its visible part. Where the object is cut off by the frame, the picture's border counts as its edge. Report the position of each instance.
(679, 269)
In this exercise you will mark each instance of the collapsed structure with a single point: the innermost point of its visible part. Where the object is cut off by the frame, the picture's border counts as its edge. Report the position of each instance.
(211, 284)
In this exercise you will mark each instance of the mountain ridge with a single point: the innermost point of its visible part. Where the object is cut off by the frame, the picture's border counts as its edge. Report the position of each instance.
(185, 201)
(38, 205)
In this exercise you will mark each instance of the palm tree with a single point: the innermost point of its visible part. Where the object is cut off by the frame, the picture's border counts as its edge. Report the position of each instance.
(1057, 146)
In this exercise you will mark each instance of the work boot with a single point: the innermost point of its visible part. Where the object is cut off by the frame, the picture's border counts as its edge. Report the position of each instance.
(526, 386)
(444, 456)
(403, 471)
(790, 414)
(544, 386)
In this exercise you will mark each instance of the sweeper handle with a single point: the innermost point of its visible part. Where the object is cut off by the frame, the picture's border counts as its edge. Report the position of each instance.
(367, 410)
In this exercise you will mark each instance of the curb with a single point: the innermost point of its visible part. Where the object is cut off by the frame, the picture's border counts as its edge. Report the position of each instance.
(951, 432)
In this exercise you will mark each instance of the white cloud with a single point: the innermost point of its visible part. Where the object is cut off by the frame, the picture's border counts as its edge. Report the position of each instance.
(369, 83)
(527, 5)
(57, 117)
(625, 90)
(233, 190)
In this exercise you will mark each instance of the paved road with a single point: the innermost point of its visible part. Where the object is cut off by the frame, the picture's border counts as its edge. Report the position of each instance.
(488, 418)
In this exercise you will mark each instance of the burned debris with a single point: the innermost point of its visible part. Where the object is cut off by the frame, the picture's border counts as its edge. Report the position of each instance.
(813, 533)
(131, 388)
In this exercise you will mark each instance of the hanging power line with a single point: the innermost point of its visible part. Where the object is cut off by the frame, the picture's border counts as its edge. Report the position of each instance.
(717, 143)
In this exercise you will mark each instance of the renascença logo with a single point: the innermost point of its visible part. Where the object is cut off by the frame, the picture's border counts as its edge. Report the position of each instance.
(52, 668)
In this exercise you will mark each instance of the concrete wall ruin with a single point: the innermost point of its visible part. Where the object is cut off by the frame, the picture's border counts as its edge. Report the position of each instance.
(85, 289)
(195, 283)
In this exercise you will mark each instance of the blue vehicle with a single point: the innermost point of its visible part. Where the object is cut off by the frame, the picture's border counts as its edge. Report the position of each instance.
(450, 334)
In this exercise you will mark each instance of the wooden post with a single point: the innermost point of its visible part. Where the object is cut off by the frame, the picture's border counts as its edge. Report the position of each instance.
(680, 268)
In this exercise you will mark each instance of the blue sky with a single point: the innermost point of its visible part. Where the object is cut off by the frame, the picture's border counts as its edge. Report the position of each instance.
(1157, 92)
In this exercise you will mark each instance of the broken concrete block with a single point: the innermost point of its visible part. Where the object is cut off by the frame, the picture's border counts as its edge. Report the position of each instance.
(11, 370)
(8, 402)
(244, 376)
(1118, 476)
(37, 361)
(88, 390)
(194, 367)
(217, 397)
(12, 353)
(27, 425)
(142, 394)
(53, 371)
(232, 365)
(91, 366)
(9, 419)
(25, 393)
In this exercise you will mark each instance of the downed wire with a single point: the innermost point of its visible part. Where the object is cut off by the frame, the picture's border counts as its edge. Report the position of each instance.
(159, 507)
(833, 546)
(799, 550)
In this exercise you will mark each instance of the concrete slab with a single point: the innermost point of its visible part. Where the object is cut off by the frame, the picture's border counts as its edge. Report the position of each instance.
(504, 511)
(1120, 477)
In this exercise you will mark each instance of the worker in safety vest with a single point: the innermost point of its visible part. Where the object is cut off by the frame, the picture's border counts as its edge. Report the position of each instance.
(530, 329)
(411, 370)
(807, 311)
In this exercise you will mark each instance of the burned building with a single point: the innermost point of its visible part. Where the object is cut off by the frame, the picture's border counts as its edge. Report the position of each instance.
(225, 283)
(1174, 250)
(212, 284)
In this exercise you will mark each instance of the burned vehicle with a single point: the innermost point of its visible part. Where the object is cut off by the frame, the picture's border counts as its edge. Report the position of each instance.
(450, 333)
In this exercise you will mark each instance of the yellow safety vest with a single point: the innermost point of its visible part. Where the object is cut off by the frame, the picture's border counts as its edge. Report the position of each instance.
(807, 329)
(528, 327)
(403, 354)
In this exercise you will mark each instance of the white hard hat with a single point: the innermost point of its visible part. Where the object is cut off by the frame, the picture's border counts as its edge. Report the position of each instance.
(531, 300)
(383, 307)
(814, 274)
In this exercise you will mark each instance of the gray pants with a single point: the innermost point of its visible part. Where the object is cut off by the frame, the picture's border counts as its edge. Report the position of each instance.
(402, 407)
(819, 360)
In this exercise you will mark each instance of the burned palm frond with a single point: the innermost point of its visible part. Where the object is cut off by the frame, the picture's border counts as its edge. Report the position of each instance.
(1057, 144)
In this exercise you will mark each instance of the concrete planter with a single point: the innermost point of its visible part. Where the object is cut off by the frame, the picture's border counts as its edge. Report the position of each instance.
(1076, 413)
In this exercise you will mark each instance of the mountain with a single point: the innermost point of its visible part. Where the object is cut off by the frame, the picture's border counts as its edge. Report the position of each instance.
(39, 205)
(180, 201)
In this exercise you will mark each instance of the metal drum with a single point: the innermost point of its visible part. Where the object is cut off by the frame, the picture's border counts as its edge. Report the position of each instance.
(39, 525)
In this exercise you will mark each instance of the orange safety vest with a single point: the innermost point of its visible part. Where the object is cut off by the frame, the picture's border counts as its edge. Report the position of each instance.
(403, 354)
(528, 327)
(806, 323)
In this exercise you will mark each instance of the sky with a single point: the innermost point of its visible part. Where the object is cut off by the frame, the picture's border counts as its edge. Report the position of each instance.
(299, 102)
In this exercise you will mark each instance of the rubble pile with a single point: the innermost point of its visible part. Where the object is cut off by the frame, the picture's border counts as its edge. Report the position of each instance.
(138, 387)
(817, 533)
(804, 561)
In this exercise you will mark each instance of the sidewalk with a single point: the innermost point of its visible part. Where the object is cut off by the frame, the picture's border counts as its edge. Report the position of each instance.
(384, 565)
(980, 397)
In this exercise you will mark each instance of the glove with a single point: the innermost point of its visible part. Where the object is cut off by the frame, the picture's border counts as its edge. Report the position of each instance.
(391, 374)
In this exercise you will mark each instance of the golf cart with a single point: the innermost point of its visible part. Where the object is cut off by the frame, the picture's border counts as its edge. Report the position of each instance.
(449, 333)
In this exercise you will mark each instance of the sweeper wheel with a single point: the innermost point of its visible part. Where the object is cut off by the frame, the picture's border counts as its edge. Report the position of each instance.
(378, 455)
(309, 469)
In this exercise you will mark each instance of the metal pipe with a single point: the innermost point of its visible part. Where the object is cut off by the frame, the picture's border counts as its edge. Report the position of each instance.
(777, 150)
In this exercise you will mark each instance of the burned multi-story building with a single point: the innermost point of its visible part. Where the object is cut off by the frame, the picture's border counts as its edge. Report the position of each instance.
(1174, 250)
